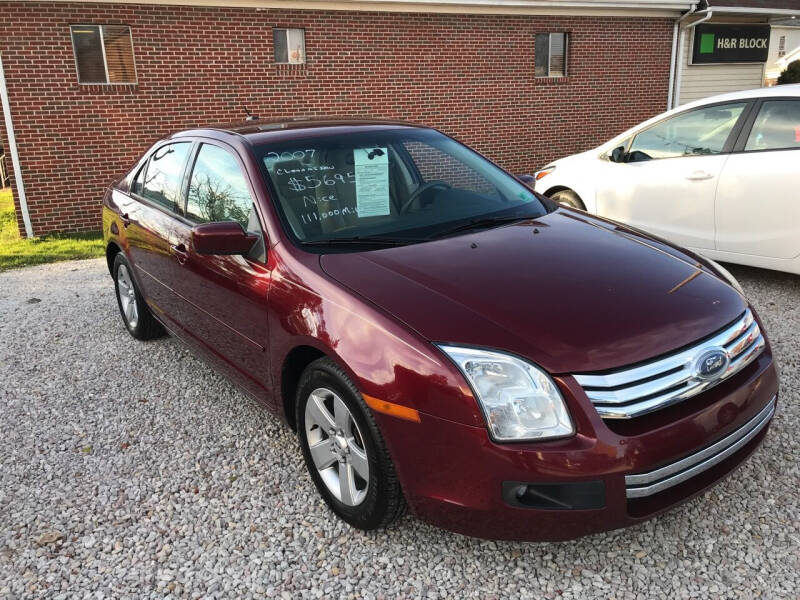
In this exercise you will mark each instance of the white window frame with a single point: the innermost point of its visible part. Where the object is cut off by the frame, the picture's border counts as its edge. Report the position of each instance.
(103, 49)
(286, 31)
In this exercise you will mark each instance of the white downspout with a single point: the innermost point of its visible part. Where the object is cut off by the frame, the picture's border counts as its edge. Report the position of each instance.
(12, 146)
(679, 74)
(672, 64)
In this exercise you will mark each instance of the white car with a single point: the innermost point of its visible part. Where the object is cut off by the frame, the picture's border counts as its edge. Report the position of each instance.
(720, 176)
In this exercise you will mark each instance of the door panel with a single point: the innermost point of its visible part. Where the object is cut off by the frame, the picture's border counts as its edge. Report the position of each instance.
(672, 198)
(154, 228)
(758, 198)
(225, 297)
(151, 235)
(758, 205)
(226, 312)
(668, 181)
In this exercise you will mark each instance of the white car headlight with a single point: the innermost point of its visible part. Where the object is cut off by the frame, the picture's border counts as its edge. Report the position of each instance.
(520, 401)
(726, 274)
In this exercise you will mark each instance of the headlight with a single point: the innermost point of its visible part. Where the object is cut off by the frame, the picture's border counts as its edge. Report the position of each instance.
(520, 401)
(726, 275)
(544, 172)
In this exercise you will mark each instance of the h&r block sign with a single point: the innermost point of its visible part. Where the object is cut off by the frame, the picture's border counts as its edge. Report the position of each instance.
(730, 43)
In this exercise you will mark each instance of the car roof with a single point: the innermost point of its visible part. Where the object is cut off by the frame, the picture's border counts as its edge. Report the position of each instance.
(257, 131)
(792, 89)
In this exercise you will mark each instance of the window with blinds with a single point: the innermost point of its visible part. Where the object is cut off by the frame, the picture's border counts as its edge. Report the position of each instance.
(551, 55)
(103, 53)
(289, 46)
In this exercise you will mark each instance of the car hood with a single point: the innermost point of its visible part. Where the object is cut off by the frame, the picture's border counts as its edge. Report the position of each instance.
(579, 157)
(570, 292)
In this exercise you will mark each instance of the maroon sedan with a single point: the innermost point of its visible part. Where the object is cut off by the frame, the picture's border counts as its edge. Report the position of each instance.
(438, 334)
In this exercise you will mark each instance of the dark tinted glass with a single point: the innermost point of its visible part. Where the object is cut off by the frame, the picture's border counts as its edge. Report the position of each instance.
(776, 127)
(164, 171)
(542, 54)
(218, 190)
(280, 45)
(137, 185)
(88, 53)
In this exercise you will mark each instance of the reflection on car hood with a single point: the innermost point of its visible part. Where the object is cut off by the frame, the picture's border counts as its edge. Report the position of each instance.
(569, 291)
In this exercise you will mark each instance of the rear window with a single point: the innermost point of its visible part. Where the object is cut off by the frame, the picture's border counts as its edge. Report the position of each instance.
(162, 183)
(776, 127)
(406, 181)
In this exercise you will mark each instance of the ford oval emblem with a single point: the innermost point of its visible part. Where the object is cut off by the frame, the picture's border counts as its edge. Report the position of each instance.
(711, 364)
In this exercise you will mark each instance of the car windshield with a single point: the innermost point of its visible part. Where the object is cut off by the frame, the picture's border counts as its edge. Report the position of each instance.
(398, 185)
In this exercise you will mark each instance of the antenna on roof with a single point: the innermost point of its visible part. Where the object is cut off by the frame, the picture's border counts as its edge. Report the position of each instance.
(249, 117)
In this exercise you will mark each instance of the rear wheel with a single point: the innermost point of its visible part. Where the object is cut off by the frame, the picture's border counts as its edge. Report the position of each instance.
(344, 450)
(137, 317)
(568, 198)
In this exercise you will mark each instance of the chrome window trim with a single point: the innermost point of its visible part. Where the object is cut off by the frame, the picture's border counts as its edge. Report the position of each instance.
(631, 392)
(670, 475)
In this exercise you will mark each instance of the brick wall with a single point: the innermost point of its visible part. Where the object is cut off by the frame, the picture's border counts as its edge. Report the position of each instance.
(469, 75)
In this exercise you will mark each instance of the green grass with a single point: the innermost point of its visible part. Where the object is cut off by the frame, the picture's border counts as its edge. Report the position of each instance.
(16, 252)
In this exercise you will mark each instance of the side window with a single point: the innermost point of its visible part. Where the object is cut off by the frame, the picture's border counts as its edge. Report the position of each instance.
(218, 191)
(776, 127)
(693, 133)
(162, 183)
(137, 185)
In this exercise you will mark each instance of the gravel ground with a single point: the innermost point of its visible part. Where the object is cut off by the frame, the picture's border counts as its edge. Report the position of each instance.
(132, 470)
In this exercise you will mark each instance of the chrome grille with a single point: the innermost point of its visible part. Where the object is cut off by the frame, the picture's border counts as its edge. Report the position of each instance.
(658, 480)
(631, 392)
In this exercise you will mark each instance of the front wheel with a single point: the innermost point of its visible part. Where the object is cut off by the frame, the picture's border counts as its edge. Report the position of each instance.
(568, 198)
(344, 450)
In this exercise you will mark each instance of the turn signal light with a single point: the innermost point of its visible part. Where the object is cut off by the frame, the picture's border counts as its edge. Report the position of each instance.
(390, 408)
(544, 172)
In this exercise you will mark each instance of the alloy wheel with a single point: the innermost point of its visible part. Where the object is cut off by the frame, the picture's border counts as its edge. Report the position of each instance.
(337, 447)
(127, 296)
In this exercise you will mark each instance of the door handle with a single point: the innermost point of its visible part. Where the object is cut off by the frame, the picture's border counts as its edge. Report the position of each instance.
(126, 220)
(180, 253)
(699, 175)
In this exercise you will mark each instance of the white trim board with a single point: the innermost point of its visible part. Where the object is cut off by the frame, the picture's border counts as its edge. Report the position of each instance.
(622, 8)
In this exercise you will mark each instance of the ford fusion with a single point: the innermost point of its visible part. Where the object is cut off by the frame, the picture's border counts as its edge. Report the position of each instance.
(439, 335)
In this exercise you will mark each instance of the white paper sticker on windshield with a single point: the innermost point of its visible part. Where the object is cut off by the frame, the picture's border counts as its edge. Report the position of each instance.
(372, 181)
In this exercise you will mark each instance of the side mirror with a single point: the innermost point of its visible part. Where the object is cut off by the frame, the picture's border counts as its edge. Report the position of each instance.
(223, 237)
(618, 154)
(528, 180)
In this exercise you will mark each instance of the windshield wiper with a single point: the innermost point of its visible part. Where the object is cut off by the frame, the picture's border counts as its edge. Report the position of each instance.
(362, 240)
(483, 222)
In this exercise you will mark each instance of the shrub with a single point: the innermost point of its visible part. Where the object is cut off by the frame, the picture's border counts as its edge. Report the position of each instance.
(791, 74)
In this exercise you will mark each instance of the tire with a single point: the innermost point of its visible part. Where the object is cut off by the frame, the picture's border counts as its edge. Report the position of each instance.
(354, 449)
(136, 315)
(568, 198)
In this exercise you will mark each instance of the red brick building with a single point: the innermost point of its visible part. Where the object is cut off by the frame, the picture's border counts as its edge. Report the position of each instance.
(91, 84)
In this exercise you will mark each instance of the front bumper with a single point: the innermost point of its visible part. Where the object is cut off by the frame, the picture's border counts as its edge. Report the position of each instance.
(456, 477)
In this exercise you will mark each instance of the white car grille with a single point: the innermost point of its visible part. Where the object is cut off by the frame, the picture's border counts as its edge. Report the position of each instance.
(631, 392)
